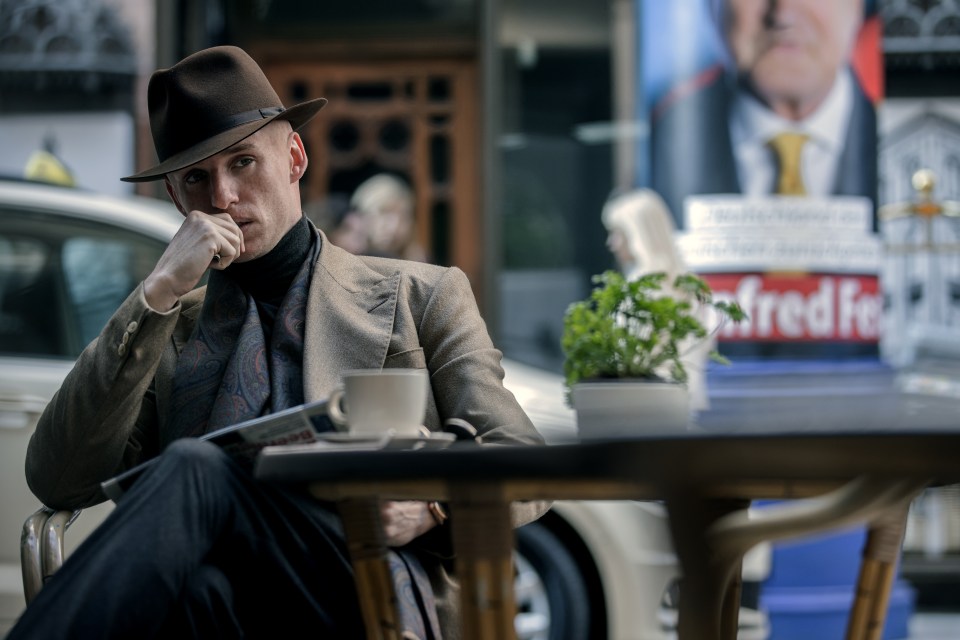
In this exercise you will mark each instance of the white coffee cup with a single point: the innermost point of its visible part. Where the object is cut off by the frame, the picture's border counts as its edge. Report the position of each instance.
(380, 402)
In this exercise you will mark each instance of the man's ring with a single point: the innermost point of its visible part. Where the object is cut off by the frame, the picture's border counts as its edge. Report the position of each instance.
(216, 258)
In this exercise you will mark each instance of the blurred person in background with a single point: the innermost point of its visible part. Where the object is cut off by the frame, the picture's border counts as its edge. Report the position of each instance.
(641, 237)
(344, 225)
(388, 205)
(640, 234)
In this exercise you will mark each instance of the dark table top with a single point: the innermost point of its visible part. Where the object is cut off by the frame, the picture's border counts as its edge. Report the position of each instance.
(755, 465)
(768, 434)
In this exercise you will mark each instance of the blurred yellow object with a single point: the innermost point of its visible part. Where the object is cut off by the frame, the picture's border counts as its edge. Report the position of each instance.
(43, 166)
(788, 147)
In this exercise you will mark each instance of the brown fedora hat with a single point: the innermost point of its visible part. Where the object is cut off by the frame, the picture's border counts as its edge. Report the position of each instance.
(209, 101)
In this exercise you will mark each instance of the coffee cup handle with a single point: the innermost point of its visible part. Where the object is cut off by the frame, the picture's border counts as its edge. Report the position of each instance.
(338, 416)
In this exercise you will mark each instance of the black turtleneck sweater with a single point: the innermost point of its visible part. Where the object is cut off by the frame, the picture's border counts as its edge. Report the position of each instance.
(268, 277)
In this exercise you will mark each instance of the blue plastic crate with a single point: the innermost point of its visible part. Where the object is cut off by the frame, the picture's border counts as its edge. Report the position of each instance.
(831, 560)
(805, 613)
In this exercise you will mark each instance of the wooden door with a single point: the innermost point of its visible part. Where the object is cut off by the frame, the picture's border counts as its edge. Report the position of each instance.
(417, 119)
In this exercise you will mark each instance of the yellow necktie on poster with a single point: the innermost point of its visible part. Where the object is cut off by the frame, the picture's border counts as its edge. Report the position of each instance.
(788, 147)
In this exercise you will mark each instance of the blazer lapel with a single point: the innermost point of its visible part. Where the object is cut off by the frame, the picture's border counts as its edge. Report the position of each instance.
(857, 169)
(350, 312)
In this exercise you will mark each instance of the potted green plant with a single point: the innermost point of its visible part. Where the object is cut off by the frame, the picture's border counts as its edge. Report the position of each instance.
(638, 331)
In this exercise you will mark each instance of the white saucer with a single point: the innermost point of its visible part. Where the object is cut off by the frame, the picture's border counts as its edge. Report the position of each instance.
(388, 441)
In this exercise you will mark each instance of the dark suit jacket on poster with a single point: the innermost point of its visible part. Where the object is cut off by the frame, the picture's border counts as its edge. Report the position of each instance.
(691, 150)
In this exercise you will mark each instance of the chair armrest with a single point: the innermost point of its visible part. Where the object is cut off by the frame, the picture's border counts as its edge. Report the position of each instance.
(41, 547)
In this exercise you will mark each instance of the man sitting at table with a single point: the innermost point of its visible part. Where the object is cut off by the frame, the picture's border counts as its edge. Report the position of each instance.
(198, 548)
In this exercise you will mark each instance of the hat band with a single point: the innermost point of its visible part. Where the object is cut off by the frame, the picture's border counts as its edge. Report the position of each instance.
(249, 116)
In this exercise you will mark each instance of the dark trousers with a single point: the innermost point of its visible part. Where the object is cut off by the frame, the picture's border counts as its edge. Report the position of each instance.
(198, 549)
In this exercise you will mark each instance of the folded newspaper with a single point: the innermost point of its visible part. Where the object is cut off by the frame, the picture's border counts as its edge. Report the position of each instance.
(244, 440)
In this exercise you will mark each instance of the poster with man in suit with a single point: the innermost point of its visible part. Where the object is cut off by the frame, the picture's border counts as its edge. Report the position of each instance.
(801, 67)
(766, 154)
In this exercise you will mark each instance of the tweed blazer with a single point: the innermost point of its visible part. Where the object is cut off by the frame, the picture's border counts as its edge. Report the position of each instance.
(363, 312)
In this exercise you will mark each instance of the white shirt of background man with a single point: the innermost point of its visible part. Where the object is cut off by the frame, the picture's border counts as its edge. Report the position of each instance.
(752, 125)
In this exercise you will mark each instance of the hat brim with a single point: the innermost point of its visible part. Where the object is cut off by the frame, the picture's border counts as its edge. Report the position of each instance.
(297, 116)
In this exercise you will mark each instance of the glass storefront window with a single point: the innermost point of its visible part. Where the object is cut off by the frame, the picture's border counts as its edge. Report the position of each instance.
(556, 171)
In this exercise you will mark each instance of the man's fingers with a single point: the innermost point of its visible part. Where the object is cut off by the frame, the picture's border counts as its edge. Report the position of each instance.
(404, 520)
(219, 234)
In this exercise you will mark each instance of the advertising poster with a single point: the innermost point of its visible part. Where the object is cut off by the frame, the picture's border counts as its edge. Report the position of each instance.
(763, 145)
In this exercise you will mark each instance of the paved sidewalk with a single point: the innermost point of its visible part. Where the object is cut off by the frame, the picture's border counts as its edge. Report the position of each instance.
(935, 626)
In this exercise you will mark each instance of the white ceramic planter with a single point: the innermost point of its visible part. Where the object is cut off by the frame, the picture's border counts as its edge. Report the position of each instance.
(625, 408)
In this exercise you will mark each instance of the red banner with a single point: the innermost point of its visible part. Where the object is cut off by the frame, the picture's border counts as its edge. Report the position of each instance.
(810, 307)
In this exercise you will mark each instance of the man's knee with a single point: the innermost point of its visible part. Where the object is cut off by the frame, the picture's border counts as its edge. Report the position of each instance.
(194, 452)
(198, 462)
(194, 472)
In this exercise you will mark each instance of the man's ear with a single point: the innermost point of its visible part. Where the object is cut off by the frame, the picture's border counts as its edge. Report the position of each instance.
(298, 158)
(173, 195)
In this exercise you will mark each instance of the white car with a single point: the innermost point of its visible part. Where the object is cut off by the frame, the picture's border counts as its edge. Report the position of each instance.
(67, 260)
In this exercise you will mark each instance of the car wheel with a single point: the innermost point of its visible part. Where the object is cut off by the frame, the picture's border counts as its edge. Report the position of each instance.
(552, 599)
